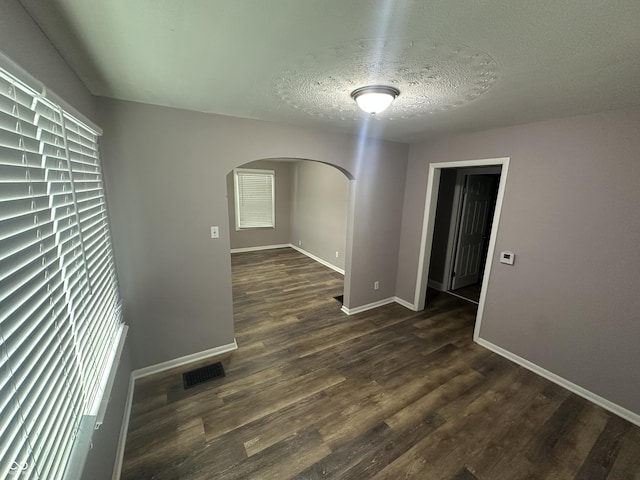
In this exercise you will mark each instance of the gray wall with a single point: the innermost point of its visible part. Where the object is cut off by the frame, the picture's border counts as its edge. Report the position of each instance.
(570, 303)
(258, 237)
(319, 211)
(167, 182)
(22, 40)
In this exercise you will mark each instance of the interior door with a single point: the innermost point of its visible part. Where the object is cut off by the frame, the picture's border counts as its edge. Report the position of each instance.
(473, 230)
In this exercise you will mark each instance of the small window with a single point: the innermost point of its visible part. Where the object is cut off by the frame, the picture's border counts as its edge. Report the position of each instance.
(254, 198)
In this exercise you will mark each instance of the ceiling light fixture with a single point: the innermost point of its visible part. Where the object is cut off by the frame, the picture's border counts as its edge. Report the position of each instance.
(374, 98)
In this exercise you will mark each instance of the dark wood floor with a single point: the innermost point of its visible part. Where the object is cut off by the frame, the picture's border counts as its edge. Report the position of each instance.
(472, 292)
(386, 394)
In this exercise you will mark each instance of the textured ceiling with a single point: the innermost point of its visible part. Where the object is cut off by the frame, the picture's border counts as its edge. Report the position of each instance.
(459, 65)
(432, 78)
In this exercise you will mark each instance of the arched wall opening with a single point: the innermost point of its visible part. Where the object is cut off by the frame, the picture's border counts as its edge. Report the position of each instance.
(176, 280)
(313, 205)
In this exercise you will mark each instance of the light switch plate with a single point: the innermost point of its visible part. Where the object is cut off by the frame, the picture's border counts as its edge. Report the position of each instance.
(215, 232)
(507, 258)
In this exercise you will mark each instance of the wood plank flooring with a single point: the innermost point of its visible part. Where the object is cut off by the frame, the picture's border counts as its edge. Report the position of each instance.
(472, 292)
(386, 394)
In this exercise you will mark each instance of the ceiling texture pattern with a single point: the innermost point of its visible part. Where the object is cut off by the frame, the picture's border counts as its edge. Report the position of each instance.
(459, 65)
(432, 78)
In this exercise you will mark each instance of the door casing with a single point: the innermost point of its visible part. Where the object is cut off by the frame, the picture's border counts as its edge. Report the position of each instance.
(431, 198)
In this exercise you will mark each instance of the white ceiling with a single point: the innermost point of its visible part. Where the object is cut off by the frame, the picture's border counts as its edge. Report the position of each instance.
(460, 65)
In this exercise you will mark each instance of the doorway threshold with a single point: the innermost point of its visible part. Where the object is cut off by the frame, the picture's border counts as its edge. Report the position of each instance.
(460, 296)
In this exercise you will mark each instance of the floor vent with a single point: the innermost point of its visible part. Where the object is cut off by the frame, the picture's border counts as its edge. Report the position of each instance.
(202, 375)
(340, 298)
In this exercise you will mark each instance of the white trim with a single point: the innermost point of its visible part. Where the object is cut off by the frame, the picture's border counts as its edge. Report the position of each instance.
(405, 304)
(124, 429)
(428, 223)
(436, 285)
(317, 259)
(178, 362)
(106, 394)
(379, 303)
(454, 223)
(264, 247)
(368, 306)
(492, 247)
(237, 172)
(572, 387)
(431, 198)
(285, 245)
(80, 449)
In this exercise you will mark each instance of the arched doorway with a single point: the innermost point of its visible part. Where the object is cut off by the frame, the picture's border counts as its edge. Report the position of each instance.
(312, 201)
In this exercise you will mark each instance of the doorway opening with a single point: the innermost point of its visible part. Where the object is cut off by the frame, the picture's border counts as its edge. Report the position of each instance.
(464, 214)
(483, 261)
(309, 206)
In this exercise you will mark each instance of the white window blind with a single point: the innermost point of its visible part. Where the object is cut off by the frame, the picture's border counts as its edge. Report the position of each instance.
(254, 198)
(60, 313)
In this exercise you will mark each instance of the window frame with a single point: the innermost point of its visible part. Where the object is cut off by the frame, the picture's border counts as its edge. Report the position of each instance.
(245, 224)
(87, 301)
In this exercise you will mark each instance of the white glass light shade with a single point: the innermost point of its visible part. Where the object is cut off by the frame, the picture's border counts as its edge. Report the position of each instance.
(374, 99)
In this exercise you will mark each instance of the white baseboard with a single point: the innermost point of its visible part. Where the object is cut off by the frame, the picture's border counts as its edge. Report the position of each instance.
(317, 259)
(263, 247)
(369, 306)
(436, 285)
(178, 362)
(348, 311)
(285, 245)
(150, 370)
(405, 304)
(572, 387)
(379, 303)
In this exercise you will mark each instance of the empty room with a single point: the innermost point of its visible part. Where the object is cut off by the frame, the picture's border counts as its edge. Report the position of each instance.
(319, 239)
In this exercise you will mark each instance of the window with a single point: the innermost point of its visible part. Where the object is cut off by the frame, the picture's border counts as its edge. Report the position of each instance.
(60, 311)
(254, 198)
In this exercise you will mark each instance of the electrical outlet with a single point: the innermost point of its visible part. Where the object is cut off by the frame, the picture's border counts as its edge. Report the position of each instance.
(337, 254)
(376, 285)
(299, 243)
